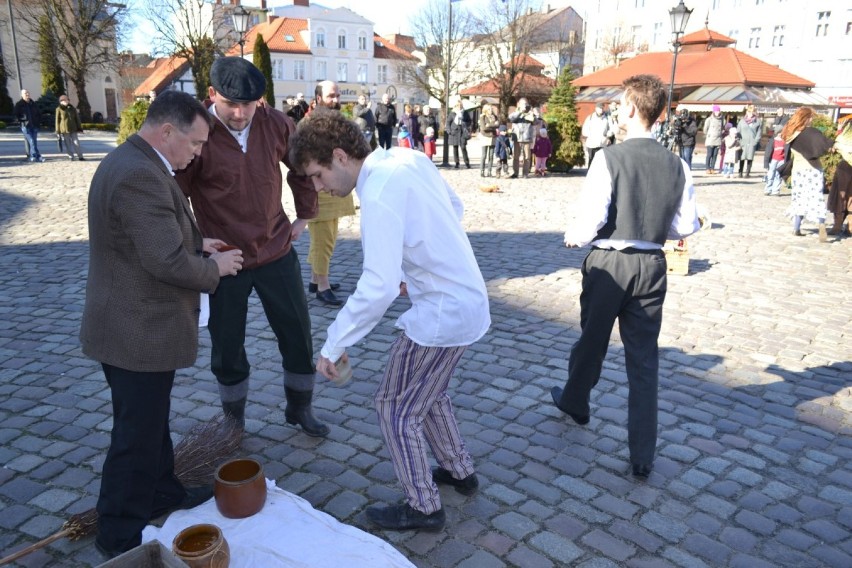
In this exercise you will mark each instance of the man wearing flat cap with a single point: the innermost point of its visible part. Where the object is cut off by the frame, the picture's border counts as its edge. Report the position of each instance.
(235, 187)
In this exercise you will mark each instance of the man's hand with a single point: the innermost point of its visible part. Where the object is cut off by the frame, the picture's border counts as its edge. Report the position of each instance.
(212, 245)
(296, 228)
(229, 262)
(326, 367)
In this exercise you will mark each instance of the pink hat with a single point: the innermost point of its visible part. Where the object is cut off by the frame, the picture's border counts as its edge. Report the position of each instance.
(716, 108)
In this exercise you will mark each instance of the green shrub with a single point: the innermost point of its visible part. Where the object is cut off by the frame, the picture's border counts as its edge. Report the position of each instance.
(2, 125)
(831, 160)
(563, 128)
(104, 126)
(131, 120)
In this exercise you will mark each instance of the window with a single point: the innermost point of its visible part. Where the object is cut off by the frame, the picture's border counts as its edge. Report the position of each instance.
(639, 4)
(382, 73)
(822, 23)
(362, 73)
(778, 37)
(341, 40)
(320, 38)
(754, 38)
(848, 28)
(734, 34)
(342, 72)
(635, 32)
(299, 70)
(362, 42)
(400, 74)
(716, 4)
(277, 69)
(658, 30)
(322, 70)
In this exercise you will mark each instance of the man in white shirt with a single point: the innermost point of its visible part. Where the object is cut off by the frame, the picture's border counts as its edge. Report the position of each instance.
(636, 195)
(413, 244)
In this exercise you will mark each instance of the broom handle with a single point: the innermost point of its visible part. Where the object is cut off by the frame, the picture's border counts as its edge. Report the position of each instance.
(33, 547)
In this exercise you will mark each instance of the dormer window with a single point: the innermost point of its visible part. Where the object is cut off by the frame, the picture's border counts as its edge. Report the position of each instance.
(288, 37)
(379, 44)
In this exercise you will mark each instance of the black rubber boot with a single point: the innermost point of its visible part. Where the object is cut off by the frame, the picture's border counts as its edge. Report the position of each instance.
(236, 412)
(299, 412)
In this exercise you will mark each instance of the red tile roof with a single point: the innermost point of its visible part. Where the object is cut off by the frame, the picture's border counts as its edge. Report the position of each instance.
(719, 66)
(705, 36)
(530, 85)
(275, 34)
(388, 50)
(165, 71)
(525, 61)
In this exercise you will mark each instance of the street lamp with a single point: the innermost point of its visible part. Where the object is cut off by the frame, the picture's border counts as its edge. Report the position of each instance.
(240, 18)
(680, 16)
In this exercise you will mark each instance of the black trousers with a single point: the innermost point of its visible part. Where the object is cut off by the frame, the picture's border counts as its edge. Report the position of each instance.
(629, 286)
(138, 475)
(282, 294)
(385, 136)
(464, 154)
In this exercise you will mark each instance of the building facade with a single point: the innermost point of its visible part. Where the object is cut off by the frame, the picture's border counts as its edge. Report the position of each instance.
(810, 38)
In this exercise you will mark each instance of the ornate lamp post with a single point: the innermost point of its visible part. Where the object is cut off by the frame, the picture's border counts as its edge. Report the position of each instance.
(240, 17)
(680, 16)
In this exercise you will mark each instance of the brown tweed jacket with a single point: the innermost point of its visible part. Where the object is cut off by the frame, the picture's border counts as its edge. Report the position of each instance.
(145, 265)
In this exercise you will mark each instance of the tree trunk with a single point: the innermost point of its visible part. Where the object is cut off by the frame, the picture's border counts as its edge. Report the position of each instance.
(83, 106)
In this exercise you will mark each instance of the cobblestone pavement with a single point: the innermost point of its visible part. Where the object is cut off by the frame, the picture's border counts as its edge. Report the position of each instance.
(754, 450)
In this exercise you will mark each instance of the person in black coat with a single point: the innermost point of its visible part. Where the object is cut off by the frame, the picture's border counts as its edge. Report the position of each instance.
(458, 128)
(385, 121)
(28, 114)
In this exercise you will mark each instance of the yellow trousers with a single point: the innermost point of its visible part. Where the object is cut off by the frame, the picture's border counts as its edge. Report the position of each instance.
(323, 239)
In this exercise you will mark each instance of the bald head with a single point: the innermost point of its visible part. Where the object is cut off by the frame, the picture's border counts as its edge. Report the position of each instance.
(328, 95)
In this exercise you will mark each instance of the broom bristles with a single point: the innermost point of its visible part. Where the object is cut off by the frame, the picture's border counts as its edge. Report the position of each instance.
(197, 456)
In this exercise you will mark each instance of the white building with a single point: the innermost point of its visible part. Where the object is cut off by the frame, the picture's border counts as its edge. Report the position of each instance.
(810, 38)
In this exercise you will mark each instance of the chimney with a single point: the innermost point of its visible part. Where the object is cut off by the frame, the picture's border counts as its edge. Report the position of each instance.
(305, 3)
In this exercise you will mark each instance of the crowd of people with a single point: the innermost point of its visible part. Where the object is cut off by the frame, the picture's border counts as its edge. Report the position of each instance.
(193, 203)
(732, 143)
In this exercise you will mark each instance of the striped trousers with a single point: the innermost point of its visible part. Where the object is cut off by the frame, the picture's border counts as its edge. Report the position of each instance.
(414, 410)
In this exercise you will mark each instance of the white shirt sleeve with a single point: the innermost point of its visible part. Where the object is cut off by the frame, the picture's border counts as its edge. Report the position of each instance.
(593, 207)
(382, 239)
(685, 221)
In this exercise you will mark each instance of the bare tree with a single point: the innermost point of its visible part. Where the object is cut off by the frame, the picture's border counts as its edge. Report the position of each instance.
(196, 30)
(505, 37)
(86, 34)
(616, 43)
(432, 31)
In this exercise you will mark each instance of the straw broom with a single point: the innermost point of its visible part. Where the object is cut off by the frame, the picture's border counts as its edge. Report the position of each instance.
(197, 456)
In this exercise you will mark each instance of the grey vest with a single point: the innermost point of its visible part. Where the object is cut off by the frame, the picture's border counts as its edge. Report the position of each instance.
(647, 188)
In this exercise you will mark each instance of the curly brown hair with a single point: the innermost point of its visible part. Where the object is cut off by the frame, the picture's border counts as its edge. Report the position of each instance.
(320, 133)
(798, 122)
(648, 94)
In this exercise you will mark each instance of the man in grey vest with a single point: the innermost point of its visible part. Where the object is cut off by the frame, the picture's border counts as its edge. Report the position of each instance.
(633, 199)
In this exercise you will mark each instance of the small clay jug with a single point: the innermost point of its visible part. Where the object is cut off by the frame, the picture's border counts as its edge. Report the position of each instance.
(202, 546)
(240, 488)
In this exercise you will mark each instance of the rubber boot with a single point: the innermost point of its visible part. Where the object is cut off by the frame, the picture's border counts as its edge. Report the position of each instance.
(236, 412)
(299, 412)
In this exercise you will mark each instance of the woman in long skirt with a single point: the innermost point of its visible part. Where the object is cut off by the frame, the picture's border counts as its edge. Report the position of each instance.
(807, 146)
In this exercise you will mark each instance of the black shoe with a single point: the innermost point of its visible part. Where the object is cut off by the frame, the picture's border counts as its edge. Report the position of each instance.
(641, 471)
(556, 395)
(194, 497)
(299, 411)
(513, 176)
(328, 298)
(82, 159)
(466, 486)
(313, 289)
(404, 517)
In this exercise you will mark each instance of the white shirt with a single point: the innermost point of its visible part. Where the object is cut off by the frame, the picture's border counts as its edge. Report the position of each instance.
(411, 232)
(593, 210)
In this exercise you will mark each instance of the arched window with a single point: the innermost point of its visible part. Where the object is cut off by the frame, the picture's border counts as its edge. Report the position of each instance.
(320, 37)
(341, 39)
(362, 41)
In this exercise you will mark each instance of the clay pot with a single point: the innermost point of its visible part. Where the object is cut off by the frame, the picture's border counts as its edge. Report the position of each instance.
(240, 488)
(202, 546)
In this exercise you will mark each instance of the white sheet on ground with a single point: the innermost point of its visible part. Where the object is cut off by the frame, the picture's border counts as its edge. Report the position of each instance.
(288, 531)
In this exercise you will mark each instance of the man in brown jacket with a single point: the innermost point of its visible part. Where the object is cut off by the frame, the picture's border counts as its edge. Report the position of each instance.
(235, 186)
(140, 320)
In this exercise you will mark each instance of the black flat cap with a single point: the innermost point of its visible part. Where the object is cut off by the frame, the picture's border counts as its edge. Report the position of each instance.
(237, 79)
